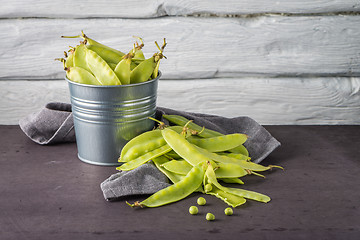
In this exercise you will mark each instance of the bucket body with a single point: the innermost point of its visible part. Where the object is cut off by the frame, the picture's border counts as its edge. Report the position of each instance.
(107, 117)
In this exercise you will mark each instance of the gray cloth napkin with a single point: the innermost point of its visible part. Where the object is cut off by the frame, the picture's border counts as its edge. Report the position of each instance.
(54, 124)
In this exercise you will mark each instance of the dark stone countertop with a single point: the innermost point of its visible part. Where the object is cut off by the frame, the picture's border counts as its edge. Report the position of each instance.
(47, 193)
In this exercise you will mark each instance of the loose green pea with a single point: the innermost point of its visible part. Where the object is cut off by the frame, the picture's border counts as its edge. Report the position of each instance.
(201, 201)
(193, 210)
(228, 211)
(210, 217)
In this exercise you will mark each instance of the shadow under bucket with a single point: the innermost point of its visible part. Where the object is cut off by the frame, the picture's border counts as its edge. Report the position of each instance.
(107, 117)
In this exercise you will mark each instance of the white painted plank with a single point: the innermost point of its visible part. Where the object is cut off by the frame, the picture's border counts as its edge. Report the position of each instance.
(267, 100)
(197, 47)
(156, 8)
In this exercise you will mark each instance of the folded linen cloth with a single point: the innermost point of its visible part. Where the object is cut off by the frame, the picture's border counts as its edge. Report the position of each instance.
(54, 124)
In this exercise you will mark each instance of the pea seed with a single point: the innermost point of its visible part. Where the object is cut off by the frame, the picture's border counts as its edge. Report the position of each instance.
(210, 217)
(193, 210)
(208, 187)
(201, 201)
(228, 211)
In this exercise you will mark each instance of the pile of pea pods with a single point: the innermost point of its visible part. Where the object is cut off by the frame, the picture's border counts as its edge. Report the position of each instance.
(93, 63)
(195, 159)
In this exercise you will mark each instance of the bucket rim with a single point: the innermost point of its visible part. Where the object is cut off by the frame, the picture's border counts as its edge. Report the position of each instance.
(115, 86)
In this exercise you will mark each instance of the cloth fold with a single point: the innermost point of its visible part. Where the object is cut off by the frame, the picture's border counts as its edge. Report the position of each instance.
(54, 124)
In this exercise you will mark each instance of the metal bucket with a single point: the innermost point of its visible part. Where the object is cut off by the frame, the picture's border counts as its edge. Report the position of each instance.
(107, 117)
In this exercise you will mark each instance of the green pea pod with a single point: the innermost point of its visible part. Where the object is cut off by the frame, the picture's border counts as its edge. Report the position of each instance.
(219, 143)
(182, 121)
(181, 167)
(137, 50)
(230, 199)
(101, 69)
(231, 180)
(223, 158)
(189, 184)
(123, 70)
(95, 43)
(142, 72)
(210, 174)
(108, 55)
(144, 158)
(230, 170)
(183, 148)
(80, 75)
(80, 57)
(159, 162)
(112, 65)
(203, 132)
(143, 143)
(69, 61)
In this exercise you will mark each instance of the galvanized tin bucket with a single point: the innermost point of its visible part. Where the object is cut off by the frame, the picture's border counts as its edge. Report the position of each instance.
(107, 117)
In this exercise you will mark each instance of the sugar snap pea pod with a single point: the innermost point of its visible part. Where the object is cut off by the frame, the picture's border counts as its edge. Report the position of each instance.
(219, 143)
(238, 156)
(141, 144)
(144, 158)
(173, 155)
(123, 69)
(145, 69)
(189, 184)
(230, 170)
(230, 199)
(183, 148)
(159, 161)
(210, 174)
(202, 132)
(137, 50)
(156, 70)
(112, 65)
(69, 58)
(93, 42)
(231, 180)
(181, 167)
(221, 158)
(240, 150)
(80, 75)
(101, 69)
(182, 121)
(80, 57)
(108, 55)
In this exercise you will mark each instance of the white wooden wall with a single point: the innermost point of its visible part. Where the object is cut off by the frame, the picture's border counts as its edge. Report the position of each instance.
(279, 62)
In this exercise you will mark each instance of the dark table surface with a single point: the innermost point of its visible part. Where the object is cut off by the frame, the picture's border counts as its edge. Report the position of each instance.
(47, 193)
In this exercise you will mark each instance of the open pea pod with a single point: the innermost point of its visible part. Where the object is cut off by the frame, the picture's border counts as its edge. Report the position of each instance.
(187, 185)
(210, 174)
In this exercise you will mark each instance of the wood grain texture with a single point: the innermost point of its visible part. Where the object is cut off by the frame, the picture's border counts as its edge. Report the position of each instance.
(156, 8)
(197, 47)
(267, 100)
